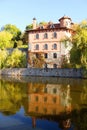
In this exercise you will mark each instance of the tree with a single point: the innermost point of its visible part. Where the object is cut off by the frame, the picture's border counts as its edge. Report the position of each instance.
(24, 38)
(14, 31)
(30, 26)
(43, 23)
(5, 39)
(16, 59)
(3, 58)
(78, 54)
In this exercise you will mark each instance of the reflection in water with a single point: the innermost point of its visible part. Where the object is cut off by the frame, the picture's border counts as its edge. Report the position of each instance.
(63, 101)
(49, 101)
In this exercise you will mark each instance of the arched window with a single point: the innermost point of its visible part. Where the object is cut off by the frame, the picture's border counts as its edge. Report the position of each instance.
(54, 55)
(55, 35)
(37, 36)
(37, 47)
(46, 47)
(55, 46)
(45, 35)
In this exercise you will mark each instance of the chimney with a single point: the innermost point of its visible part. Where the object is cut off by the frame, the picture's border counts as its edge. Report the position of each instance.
(34, 23)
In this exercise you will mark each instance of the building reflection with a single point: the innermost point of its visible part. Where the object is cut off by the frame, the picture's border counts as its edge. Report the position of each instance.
(50, 102)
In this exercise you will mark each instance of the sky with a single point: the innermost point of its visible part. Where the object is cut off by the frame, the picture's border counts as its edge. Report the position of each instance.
(21, 12)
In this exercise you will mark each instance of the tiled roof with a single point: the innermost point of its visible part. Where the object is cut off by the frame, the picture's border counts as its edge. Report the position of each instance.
(50, 25)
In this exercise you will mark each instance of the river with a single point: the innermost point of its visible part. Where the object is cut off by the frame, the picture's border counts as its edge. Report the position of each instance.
(43, 103)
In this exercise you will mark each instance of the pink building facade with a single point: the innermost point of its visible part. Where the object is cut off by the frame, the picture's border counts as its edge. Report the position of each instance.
(48, 40)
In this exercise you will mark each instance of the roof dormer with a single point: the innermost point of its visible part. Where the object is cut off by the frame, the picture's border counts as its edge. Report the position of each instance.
(52, 26)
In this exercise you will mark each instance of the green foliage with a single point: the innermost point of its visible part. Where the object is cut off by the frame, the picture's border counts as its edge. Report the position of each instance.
(3, 58)
(43, 23)
(5, 39)
(30, 26)
(16, 59)
(85, 72)
(80, 38)
(75, 58)
(24, 38)
(80, 119)
(16, 34)
(11, 60)
(13, 30)
(23, 46)
(12, 95)
(78, 55)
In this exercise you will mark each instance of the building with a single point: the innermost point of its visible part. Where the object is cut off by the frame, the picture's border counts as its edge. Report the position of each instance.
(49, 40)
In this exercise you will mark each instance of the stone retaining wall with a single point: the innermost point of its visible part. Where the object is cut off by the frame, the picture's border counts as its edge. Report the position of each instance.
(59, 72)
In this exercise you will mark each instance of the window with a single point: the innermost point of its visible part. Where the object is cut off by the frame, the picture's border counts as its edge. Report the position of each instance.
(45, 90)
(55, 35)
(45, 55)
(36, 90)
(45, 99)
(55, 66)
(45, 35)
(66, 23)
(45, 65)
(37, 36)
(52, 26)
(54, 55)
(36, 98)
(41, 27)
(55, 46)
(54, 99)
(54, 90)
(37, 47)
(37, 55)
(46, 47)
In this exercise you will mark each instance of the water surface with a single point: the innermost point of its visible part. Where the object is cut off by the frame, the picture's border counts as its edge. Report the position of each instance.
(43, 103)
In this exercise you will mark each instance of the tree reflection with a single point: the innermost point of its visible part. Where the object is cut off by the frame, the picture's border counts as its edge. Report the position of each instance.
(79, 119)
(11, 95)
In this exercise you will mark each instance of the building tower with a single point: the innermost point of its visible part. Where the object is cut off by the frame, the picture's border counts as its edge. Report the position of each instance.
(65, 21)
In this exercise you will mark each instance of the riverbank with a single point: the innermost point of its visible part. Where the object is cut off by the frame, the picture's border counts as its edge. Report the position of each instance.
(48, 72)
